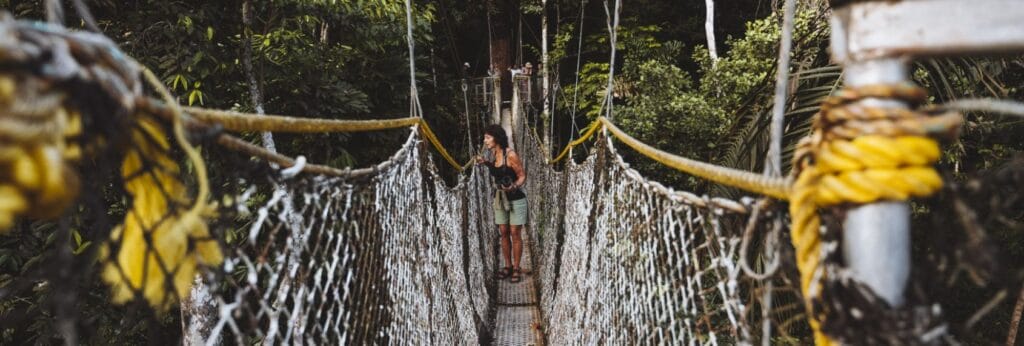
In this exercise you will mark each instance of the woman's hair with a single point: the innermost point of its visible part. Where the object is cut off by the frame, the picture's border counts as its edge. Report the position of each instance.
(499, 135)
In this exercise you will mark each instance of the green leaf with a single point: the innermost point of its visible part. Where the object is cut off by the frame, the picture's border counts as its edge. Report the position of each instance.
(197, 58)
(50, 238)
(82, 247)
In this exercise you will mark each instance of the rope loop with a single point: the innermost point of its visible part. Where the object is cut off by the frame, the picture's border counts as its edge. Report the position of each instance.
(858, 154)
(761, 210)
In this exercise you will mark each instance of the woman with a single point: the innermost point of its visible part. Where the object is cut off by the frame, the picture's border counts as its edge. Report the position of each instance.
(509, 200)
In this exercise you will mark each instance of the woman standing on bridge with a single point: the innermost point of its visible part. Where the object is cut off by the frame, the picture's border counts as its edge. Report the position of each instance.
(509, 200)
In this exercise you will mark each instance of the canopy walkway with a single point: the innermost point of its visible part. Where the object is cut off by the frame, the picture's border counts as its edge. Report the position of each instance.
(602, 244)
(392, 254)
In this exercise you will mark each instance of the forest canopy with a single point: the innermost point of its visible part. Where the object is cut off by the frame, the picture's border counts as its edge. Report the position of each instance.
(349, 60)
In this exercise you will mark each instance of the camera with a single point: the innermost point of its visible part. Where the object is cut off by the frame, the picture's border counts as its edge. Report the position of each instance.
(505, 181)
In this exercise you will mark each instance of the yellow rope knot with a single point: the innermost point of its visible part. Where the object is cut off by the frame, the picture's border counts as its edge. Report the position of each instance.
(39, 149)
(859, 154)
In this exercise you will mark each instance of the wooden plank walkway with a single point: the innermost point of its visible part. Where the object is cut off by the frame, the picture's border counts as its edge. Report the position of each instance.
(518, 314)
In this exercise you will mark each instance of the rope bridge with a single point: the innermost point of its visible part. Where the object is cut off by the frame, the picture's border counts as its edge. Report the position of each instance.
(392, 254)
(397, 258)
(395, 255)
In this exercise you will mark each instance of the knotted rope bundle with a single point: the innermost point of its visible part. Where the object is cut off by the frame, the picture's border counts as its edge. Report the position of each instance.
(38, 149)
(67, 97)
(859, 154)
(41, 122)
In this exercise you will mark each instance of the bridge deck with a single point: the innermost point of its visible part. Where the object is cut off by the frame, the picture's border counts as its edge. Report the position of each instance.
(518, 316)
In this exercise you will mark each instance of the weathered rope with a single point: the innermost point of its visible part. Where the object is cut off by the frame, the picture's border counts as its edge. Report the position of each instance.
(44, 134)
(199, 165)
(414, 98)
(593, 127)
(613, 28)
(249, 122)
(748, 232)
(774, 187)
(773, 163)
(154, 253)
(859, 154)
(1008, 107)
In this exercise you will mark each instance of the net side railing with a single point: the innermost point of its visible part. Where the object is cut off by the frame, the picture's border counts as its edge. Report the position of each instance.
(396, 258)
(624, 260)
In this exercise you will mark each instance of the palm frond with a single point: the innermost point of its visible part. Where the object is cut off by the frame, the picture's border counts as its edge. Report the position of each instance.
(748, 143)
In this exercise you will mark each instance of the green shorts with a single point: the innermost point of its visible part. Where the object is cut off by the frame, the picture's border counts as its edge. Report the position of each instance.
(501, 216)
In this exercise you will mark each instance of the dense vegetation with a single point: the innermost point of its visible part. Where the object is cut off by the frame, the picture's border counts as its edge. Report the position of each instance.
(348, 60)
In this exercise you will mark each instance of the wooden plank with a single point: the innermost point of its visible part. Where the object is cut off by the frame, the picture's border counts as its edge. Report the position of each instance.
(911, 29)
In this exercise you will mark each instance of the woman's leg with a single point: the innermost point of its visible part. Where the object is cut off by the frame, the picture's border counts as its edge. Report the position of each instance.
(517, 246)
(505, 245)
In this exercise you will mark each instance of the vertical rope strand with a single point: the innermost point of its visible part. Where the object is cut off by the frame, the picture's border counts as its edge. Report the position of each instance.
(613, 27)
(54, 12)
(414, 98)
(773, 165)
(576, 88)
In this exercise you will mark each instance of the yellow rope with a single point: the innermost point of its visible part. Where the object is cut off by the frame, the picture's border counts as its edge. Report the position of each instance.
(884, 160)
(238, 121)
(179, 134)
(774, 187)
(246, 122)
(593, 127)
(855, 155)
(429, 135)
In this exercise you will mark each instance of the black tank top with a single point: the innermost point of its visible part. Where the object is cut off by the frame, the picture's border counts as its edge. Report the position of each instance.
(506, 176)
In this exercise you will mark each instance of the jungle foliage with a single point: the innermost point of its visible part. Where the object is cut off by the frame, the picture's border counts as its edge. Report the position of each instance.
(348, 59)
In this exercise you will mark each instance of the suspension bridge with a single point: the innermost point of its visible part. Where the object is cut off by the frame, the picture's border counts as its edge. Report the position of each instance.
(394, 254)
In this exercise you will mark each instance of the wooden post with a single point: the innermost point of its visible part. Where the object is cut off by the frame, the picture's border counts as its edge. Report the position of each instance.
(546, 87)
(875, 41)
(513, 125)
(495, 100)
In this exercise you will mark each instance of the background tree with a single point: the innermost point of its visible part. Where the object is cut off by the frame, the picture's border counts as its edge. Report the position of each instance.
(348, 60)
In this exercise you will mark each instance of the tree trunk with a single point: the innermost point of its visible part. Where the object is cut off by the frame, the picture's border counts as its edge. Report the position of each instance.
(501, 57)
(709, 28)
(199, 314)
(254, 91)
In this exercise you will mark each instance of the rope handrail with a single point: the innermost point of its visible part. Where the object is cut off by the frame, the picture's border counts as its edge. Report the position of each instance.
(239, 122)
(690, 198)
(248, 122)
(593, 127)
(774, 187)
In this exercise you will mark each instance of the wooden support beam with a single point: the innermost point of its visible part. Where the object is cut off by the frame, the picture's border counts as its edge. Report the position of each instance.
(912, 29)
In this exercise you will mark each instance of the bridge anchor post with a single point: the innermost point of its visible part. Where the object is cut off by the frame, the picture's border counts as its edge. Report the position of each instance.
(875, 42)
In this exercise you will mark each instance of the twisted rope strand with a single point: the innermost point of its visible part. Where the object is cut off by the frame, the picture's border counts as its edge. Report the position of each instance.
(858, 154)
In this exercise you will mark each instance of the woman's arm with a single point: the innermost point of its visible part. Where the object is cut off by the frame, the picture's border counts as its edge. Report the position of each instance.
(517, 166)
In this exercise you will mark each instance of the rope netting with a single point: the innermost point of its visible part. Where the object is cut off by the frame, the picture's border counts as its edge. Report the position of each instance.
(392, 253)
(625, 260)
(396, 257)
